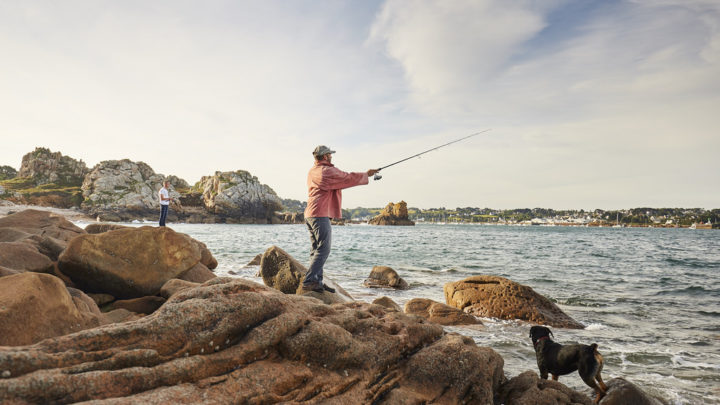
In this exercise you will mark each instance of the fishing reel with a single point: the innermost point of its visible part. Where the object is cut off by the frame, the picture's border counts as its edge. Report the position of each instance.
(377, 176)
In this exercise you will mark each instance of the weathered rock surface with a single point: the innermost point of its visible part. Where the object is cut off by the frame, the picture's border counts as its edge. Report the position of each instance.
(48, 233)
(239, 197)
(235, 341)
(142, 305)
(281, 271)
(622, 392)
(4, 271)
(529, 389)
(174, 286)
(123, 190)
(129, 262)
(385, 277)
(24, 257)
(388, 303)
(42, 223)
(439, 313)
(498, 297)
(37, 306)
(393, 214)
(45, 167)
(101, 227)
(198, 273)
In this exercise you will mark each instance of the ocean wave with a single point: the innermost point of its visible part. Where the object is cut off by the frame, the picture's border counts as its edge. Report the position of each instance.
(692, 263)
(694, 290)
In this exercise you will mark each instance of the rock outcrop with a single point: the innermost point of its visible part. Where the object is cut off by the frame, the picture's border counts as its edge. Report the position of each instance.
(622, 392)
(38, 306)
(385, 277)
(129, 262)
(48, 233)
(282, 272)
(235, 341)
(238, 197)
(24, 257)
(123, 190)
(529, 388)
(498, 297)
(393, 214)
(439, 313)
(388, 303)
(45, 167)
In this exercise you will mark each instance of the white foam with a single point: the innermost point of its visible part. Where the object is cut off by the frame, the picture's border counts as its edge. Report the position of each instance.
(596, 326)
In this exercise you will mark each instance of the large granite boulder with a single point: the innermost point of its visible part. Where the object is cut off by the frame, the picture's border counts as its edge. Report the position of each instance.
(130, 262)
(37, 306)
(48, 233)
(42, 223)
(235, 341)
(281, 271)
(123, 190)
(24, 257)
(529, 389)
(385, 277)
(393, 214)
(439, 313)
(498, 297)
(45, 167)
(238, 197)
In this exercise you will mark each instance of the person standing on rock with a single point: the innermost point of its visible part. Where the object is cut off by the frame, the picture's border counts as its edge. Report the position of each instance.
(325, 182)
(165, 199)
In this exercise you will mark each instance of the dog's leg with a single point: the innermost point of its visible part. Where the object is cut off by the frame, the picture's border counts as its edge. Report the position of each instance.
(555, 377)
(598, 377)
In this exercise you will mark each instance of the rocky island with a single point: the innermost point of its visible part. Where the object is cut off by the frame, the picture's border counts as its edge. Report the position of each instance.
(123, 190)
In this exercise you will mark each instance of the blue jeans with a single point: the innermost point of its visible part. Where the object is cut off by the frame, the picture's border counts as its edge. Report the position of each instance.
(163, 214)
(320, 235)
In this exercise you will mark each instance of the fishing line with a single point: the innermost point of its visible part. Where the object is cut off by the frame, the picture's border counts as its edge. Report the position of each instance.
(378, 176)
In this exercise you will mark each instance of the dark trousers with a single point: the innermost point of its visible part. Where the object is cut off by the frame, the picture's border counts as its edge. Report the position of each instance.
(163, 214)
(320, 235)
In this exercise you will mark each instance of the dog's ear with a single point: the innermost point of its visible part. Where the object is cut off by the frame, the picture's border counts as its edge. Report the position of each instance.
(551, 334)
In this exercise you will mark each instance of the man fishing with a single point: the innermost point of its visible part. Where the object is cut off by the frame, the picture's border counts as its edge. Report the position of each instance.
(325, 182)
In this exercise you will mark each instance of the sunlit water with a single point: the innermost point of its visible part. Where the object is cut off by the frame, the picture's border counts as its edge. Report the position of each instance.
(650, 298)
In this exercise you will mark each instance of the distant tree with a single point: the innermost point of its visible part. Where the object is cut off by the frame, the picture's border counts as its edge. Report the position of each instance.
(293, 205)
(7, 173)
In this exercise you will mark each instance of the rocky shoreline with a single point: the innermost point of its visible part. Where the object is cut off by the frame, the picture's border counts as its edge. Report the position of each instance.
(122, 315)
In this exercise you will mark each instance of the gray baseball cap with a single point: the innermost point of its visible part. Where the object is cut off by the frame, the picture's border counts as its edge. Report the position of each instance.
(322, 150)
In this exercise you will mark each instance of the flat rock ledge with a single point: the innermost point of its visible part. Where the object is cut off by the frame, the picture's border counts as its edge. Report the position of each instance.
(498, 297)
(236, 341)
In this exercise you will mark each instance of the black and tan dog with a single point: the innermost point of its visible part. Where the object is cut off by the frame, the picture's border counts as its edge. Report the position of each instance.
(558, 360)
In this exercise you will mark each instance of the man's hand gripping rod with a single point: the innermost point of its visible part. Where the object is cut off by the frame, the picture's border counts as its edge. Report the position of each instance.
(378, 176)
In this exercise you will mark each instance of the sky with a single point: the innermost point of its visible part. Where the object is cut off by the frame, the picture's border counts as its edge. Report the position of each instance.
(589, 104)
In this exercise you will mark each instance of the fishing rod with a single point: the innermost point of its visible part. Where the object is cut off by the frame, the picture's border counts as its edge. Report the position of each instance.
(378, 176)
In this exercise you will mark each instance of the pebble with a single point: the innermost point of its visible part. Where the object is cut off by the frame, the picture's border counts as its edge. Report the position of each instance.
(6, 374)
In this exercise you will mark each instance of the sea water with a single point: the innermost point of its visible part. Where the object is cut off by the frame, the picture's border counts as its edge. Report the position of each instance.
(650, 298)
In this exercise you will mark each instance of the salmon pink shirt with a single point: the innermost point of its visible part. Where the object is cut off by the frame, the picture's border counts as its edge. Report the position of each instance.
(324, 183)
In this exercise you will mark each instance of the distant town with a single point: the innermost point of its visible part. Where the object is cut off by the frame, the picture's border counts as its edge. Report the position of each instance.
(635, 217)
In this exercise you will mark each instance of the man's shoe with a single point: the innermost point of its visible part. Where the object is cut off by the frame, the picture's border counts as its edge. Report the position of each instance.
(328, 289)
(314, 288)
